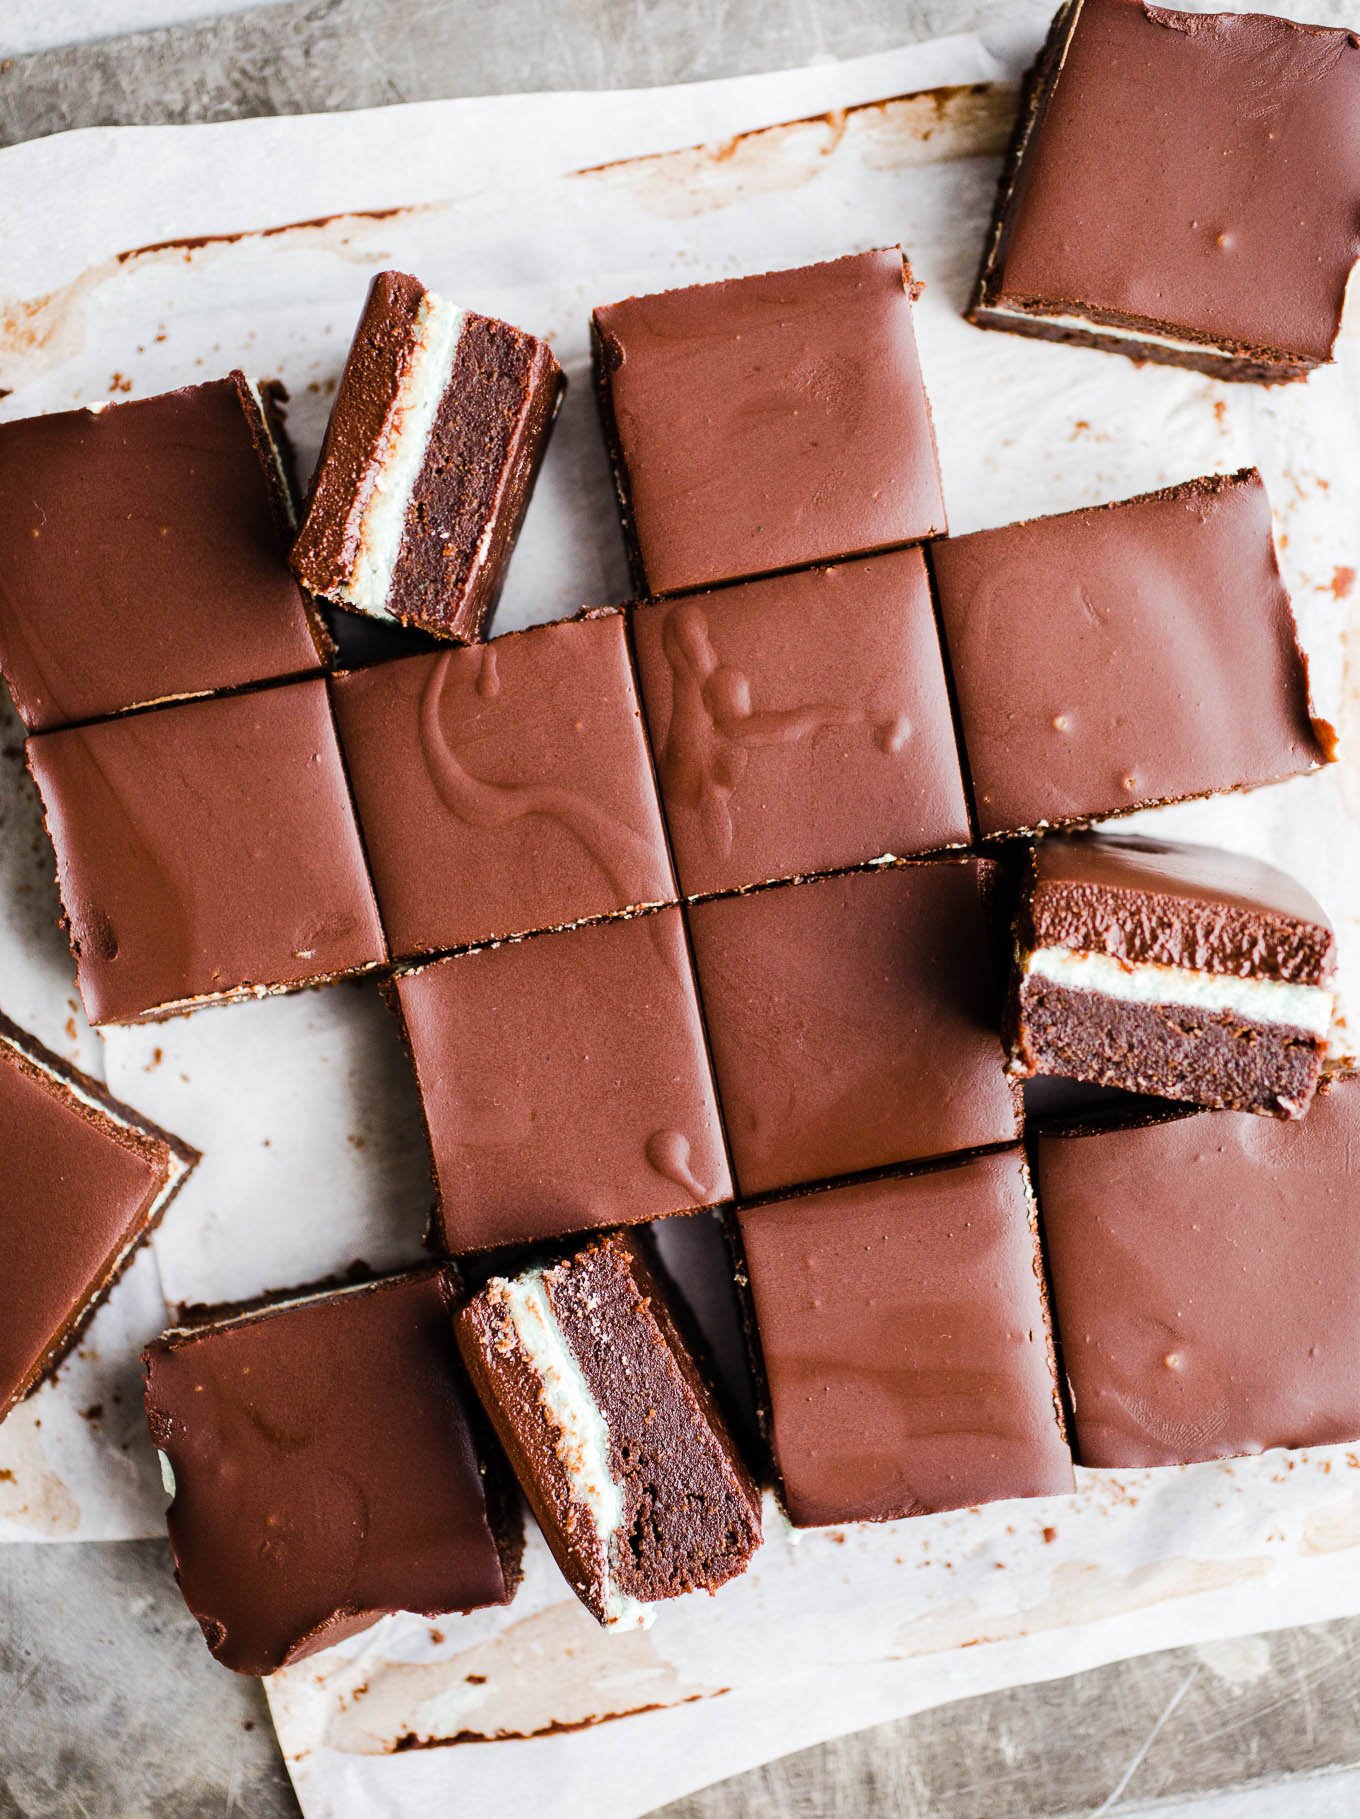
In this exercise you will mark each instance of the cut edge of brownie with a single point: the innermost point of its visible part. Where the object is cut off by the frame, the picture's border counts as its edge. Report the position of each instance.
(168, 1155)
(584, 1454)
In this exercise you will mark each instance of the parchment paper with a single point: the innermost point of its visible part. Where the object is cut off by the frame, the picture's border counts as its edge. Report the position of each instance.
(303, 1106)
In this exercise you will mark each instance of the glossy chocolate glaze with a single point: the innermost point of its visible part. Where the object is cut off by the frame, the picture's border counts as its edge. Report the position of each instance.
(1197, 175)
(504, 788)
(854, 1021)
(802, 723)
(691, 1511)
(904, 1339)
(590, 1102)
(768, 422)
(328, 1470)
(145, 556)
(84, 1179)
(206, 851)
(1126, 655)
(1206, 1280)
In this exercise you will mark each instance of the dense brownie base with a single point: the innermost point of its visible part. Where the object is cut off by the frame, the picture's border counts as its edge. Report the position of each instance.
(1171, 1051)
(1245, 368)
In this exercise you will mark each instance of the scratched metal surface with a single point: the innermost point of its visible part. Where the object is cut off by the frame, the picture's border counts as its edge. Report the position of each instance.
(109, 1704)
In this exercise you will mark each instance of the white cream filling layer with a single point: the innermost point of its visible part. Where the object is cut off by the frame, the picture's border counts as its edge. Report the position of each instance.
(1302, 1007)
(1146, 336)
(253, 387)
(406, 437)
(583, 1432)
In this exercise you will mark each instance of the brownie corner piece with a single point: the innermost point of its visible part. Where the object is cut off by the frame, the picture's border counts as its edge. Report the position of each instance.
(307, 1502)
(1181, 188)
(612, 1430)
(1177, 971)
(439, 427)
(885, 1314)
(769, 422)
(86, 1180)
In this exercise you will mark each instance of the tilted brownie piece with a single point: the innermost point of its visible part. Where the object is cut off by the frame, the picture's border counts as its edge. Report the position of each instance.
(1180, 971)
(146, 553)
(206, 852)
(504, 788)
(612, 1430)
(84, 1180)
(902, 1332)
(769, 422)
(327, 1467)
(1182, 187)
(440, 424)
(1206, 1280)
(1126, 655)
(855, 1021)
(802, 723)
(565, 1083)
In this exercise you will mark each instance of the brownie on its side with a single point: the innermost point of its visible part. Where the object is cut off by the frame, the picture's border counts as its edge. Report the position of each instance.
(564, 1082)
(326, 1467)
(206, 852)
(84, 1180)
(1125, 655)
(504, 788)
(801, 723)
(612, 1430)
(1180, 971)
(1182, 187)
(855, 1021)
(1206, 1279)
(440, 424)
(769, 422)
(146, 550)
(902, 1333)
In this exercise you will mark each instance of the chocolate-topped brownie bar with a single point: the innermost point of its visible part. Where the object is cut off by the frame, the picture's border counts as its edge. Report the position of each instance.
(1206, 1279)
(612, 1430)
(801, 723)
(146, 550)
(855, 1021)
(440, 423)
(1179, 971)
(769, 422)
(327, 1466)
(1125, 655)
(84, 1180)
(1182, 187)
(903, 1337)
(565, 1083)
(506, 787)
(207, 851)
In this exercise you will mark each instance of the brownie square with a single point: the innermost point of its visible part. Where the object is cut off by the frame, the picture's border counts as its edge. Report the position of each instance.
(612, 1429)
(441, 420)
(1183, 188)
(326, 1467)
(855, 1021)
(802, 723)
(1127, 655)
(768, 422)
(85, 1179)
(205, 852)
(1179, 971)
(146, 554)
(1206, 1280)
(564, 1082)
(505, 787)
(903, 1335)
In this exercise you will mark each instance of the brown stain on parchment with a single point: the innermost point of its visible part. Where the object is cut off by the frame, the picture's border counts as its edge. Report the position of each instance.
(554, 1671)
(930, 127)
(31, 1496)
(1078, 1593)
(40, 332)
(1330, 1530)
